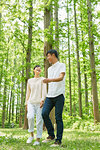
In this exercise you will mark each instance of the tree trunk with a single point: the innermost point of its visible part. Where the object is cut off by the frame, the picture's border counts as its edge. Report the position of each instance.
(47, 43)
(13, 99)
(1, 57)
(7, 104)
(22, 96)
(74, 87)
(17, 109)
(56, 26)
(4, 105)
(4, 94)
(1, 76)
(78, 63)
(85, 74)
(28, 56)
(92, 63)
(48, 46)
(69, 60)
(13, 107)
(10, 108)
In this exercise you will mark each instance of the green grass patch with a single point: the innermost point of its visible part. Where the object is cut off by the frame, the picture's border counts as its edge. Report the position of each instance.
(15, 139)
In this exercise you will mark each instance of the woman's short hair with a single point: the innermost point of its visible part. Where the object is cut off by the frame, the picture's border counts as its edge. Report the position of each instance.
(36, 66)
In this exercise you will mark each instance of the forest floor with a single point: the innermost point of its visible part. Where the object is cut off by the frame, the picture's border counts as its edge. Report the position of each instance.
(15, 139)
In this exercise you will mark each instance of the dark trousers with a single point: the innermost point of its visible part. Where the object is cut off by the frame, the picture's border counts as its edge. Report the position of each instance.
(58, 102)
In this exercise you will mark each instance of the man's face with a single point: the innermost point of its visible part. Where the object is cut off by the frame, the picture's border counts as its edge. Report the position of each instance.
(50, 58)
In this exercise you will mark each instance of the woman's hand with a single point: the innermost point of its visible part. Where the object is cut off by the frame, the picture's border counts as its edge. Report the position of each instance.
(41, 104)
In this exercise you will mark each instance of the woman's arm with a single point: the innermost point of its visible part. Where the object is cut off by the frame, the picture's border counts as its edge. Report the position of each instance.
(44, 93)
(28, 91)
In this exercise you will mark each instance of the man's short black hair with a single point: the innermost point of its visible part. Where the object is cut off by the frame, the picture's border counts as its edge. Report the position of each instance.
(52, 51)
(36, 66)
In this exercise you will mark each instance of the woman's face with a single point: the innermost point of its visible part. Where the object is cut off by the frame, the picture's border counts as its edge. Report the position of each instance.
(37, 70)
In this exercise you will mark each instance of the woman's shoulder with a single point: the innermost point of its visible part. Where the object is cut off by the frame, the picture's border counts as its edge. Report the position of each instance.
(30, 80)
(42, 78)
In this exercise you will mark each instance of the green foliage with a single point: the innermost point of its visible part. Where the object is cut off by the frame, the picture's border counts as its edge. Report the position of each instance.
(75, 122)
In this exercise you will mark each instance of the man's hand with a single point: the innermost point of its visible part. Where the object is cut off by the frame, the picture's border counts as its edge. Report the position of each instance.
(60, 78)
(47, 80)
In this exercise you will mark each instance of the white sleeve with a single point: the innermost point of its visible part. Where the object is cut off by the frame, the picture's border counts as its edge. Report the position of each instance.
(28, 91)
(44, 91)
(48, 73)
(62, 68)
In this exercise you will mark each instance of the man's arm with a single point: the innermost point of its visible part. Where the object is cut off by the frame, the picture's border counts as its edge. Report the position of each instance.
(60, 78)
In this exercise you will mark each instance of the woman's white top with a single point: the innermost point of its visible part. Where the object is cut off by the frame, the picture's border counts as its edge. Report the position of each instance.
(36, 90)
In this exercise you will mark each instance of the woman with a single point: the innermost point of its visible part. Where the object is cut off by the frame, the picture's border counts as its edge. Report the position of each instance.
(35, 96)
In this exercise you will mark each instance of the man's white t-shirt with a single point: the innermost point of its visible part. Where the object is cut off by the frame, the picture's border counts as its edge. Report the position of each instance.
(56, 88)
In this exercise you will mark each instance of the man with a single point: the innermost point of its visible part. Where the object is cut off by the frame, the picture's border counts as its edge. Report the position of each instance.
(55, 96)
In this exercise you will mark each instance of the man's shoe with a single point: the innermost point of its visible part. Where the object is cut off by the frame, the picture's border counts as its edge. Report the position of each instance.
(49, 138)
(56, 143)
(30, 139)
(36, 143)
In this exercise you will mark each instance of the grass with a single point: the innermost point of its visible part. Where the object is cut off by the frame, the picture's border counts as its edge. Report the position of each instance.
(15, 139)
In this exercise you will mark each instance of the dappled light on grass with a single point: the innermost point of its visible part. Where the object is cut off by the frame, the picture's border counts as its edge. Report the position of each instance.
(15, 139)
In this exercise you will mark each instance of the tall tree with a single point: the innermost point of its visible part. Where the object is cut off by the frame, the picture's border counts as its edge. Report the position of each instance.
(1, 66)
(13, 98)
(5, 91)
(92, 63)
(84, 65)
(17, 105)
(28, 54)
(56, 5)
(47, 41)
(78, 62)
(4, 104)
(68, 29)
(13, 87)
(10, 108)
(22, 95)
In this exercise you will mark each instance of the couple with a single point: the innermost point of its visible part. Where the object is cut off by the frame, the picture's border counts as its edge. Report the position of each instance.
(36, 94)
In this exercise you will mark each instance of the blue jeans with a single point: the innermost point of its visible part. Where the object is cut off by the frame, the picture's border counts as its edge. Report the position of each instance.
(58, 102)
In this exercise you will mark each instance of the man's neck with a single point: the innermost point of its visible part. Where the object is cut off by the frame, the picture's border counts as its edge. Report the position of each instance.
(56, 60)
